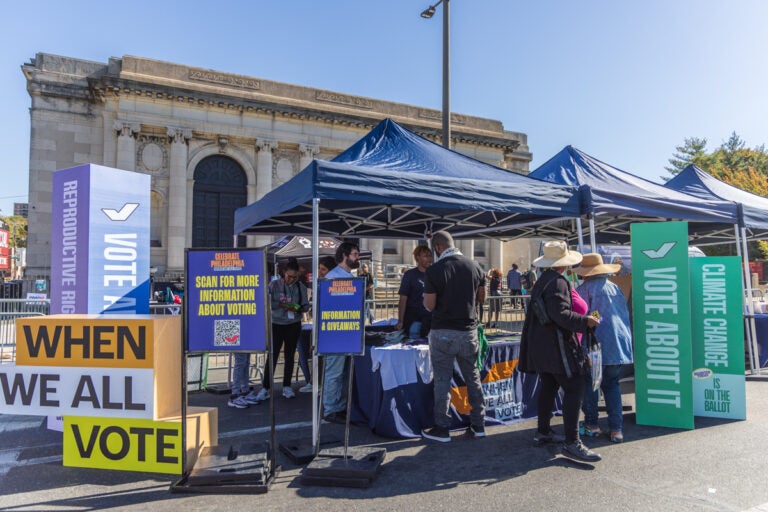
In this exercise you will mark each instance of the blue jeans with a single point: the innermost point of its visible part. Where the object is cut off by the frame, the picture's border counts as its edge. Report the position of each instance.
(334, 384)
(240, 379)
(612, 395)
(414, 332)
(445, 347)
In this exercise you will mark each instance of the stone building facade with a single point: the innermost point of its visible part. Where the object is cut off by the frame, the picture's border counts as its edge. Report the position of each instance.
(212, 142)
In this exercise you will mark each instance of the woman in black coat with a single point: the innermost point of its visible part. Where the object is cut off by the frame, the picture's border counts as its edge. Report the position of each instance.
(550, 348)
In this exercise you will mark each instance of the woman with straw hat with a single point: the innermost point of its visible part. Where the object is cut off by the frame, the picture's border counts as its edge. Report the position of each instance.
(550, 348)
(615, 337)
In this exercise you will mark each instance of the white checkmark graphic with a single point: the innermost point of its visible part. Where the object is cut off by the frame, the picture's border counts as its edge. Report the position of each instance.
(122, 214)
(661, 251)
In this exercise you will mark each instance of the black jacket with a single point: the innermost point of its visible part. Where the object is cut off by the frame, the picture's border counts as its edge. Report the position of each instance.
(539, 348)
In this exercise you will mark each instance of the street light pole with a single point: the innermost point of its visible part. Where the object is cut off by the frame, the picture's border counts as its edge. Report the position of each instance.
(428, 13)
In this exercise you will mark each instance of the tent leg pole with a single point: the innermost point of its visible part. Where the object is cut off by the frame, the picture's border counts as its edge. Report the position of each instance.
(580, 234)
(754, 356)
(592, 233)
(315, 258)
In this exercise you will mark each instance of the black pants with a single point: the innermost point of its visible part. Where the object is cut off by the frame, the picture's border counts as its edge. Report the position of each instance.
(288, 335)
(573, 393)
(516, 293)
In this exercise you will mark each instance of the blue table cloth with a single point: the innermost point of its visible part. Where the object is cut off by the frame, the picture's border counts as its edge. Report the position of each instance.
(761, 330)
(404, 410)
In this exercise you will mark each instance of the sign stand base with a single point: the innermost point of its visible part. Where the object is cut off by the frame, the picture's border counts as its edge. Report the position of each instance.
(218, 389)
(245, 469)
(301, 452)
(331, 469)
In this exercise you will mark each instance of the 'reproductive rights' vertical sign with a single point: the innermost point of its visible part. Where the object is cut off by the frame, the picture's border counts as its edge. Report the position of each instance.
(662, 324)
(100, 241)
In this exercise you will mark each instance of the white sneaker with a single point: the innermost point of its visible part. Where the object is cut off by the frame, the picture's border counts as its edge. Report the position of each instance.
(306, 388)
(252, 398)
(288, 392)
(238, 403)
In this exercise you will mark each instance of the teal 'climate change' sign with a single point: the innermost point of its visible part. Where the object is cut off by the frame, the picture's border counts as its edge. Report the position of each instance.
(718, 338)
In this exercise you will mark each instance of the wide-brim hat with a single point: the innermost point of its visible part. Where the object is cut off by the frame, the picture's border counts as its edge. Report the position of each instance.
(592, 265)
(556, 254)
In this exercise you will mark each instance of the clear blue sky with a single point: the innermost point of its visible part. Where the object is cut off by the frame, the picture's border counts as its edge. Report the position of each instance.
(624, 81)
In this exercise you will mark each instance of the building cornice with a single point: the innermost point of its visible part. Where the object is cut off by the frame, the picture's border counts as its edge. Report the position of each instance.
(150, 80)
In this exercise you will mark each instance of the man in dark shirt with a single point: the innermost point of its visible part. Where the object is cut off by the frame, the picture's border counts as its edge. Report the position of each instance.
(453, 285)
(515, 284)
(412, 317)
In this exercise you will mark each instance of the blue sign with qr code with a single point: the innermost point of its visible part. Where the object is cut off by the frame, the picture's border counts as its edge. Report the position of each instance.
(225, 300)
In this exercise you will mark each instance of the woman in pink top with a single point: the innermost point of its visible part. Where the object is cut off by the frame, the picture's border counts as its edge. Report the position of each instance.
(579, 306)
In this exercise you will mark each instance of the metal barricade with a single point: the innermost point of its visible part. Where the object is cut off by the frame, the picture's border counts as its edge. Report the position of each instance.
(10, 310)
(221, 364)
(383, 308)
(511, 313)
(512, 310)
(165, 309)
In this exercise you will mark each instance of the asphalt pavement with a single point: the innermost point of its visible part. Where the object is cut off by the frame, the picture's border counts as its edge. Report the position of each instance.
(718, 466)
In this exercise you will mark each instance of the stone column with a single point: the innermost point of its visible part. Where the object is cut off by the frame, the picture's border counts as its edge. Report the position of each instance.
(408, 247)
(376, 246)
(250, 241)
(126, 145)
(264, 151)
(467, 248)
(496, 256)
(307, 153)
(177, 198)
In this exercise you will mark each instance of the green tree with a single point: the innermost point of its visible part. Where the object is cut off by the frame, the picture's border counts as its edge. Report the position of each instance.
(755, 182)
(693, 151)
(734, 157)
(17, 230)
(733, 163)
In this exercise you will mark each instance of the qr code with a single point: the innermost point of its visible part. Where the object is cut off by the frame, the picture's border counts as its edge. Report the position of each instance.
(226, 333)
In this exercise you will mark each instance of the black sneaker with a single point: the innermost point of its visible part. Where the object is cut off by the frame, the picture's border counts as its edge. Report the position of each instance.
(550, 437)
(474, 431)
(339, 417)
(439, 434)
(578, 452)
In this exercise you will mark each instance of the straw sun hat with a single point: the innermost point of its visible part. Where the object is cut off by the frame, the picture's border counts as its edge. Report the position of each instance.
(592, 265)
(556, 254)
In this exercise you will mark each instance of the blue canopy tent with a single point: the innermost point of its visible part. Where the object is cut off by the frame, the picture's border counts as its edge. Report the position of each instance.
(395, 184)
(753, 221)
(613, 199)
(300, 248)
(754, 209)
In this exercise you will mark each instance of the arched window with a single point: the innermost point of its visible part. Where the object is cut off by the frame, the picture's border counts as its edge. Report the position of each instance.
(220, 189)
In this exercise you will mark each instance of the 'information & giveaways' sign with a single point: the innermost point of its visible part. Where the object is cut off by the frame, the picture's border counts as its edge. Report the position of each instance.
(340, 316)
(662, 324)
